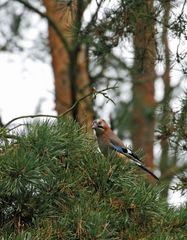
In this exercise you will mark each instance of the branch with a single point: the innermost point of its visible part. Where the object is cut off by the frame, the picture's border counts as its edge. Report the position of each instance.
(10, 136)
(94, 17)
(88, 95)
(119, 61)
(93, 92)
(19, 125)
(50, 21)
(3, 4)
(174, 171)
(29, 116)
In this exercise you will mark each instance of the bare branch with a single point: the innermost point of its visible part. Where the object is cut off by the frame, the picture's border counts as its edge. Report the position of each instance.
(93, 92)
(94, 17)
(50, 21)
(29, 116)
(174, 171)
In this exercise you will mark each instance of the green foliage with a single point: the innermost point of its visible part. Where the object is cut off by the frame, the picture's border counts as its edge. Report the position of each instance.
(56, 185)
(172, 129)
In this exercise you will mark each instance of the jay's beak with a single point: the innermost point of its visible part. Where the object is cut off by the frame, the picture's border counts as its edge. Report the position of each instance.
(94, 125)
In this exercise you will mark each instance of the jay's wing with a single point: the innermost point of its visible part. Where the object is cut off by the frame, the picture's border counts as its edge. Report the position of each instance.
(128, 153)
(117, 145)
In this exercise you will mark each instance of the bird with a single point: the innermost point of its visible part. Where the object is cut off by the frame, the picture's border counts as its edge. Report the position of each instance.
(108, 142)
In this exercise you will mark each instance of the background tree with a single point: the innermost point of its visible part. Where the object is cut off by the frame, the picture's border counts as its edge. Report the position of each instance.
(70, 61)
(143, 78)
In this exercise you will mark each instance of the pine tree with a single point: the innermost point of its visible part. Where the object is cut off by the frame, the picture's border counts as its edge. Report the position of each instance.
(55, 184)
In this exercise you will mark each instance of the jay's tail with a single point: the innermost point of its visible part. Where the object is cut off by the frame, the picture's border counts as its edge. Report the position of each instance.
(128, 153)
(147, 170)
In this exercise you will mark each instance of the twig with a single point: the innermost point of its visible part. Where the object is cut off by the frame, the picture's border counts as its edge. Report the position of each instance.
(89, 94)
(29, 116)
(174, 171)
(93, 92)
(4, 4)
(11, 136)
(19, 125)
(50, 21)
(94, 17)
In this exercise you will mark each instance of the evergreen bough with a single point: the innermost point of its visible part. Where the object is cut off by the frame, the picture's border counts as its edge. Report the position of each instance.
(55, 184)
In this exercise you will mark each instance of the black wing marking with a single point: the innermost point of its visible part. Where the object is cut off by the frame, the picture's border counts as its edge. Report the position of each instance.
(127, 152)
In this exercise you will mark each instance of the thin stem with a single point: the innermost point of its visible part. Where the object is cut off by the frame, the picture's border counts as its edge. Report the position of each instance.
(93, 92)
(29, 116)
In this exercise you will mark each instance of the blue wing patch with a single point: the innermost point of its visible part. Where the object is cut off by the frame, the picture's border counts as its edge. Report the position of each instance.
(125, 151)
(119, 149)
(134, 157)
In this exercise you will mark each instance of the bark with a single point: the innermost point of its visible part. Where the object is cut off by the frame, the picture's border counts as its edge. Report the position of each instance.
(143, 87)
(165, 162)
(70, 68)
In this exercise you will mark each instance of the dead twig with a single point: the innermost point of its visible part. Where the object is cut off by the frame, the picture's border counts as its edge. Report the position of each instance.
(93, 93)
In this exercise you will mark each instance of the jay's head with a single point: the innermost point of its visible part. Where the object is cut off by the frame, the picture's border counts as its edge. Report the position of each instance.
(100, 126)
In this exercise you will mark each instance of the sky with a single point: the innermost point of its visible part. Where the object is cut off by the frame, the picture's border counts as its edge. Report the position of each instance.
(26, 82)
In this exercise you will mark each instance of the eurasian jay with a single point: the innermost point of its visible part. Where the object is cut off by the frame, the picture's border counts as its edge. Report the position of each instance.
(109, 142)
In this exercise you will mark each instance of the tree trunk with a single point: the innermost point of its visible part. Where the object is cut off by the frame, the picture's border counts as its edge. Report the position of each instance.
(70, 68)
(164, 165)
(165, 161)
(143, 86)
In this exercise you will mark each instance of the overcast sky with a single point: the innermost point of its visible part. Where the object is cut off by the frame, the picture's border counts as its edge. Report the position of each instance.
(23, 85)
